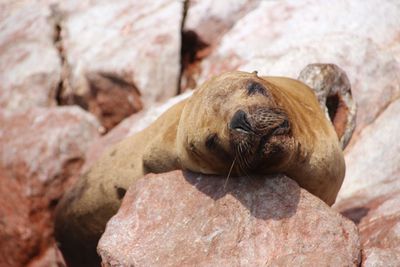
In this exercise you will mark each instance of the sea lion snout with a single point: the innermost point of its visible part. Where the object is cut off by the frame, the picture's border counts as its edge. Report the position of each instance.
(259, 136)
(260, 121)
(241, 123)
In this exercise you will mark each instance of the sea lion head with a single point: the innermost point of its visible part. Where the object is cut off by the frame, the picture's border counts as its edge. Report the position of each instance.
(234, 123)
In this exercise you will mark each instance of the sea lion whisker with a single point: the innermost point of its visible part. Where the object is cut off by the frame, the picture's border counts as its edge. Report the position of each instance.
(229, 173)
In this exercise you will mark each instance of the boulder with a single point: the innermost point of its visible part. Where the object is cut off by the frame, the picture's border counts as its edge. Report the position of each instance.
(41, 151)
(370, 194)
(375, 257)
(119, 53)
(15, 230)
(210, 20)
(374, 158)
(376, 211)
(30, 67)
(182, 218)
(205, 24)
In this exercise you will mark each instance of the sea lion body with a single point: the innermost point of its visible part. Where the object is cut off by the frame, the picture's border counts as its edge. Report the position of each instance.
(236, 122)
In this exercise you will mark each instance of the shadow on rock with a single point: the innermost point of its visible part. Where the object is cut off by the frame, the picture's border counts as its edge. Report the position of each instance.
(265, 197)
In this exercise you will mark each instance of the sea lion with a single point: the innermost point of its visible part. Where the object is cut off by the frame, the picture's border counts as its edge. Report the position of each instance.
(234, 124)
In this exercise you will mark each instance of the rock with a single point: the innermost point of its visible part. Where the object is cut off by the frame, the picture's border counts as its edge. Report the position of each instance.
(21, 242)
(41, 151)
(44, 145)
(106, 92)
(376, 257)
(113, 57)
(375, 157)
(30, 66)
(299, 33)
(376, 210)
(370, 194)
(52, 257)
(180, 218)
(205, 23)
(14, 224)
(128, 127)
(210, 20)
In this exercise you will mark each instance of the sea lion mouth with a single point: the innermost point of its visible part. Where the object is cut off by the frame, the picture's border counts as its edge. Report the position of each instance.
(256, 137)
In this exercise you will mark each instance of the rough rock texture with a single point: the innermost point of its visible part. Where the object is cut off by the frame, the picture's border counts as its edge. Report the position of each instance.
(277, 38)
(376, 210)
(30, 67)
(375, 157)
(370, 194)
(14, 223)
(40, 150)
(376, 257)
(116, 60)
(109, 98)
(205, 24)
(250, 222)
(210, 20)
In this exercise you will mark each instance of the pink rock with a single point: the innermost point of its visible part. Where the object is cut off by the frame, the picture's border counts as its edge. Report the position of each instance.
(281, 37)
(14, 221)
(41, 151)
(30, 66)
(185, 219)
(376, 210)
(370, 194)
(210, 20)
(375, 257)
(25, 232)
(42, 144)
(374, 158)
(112, 42)
(51, 257)
(205, 23)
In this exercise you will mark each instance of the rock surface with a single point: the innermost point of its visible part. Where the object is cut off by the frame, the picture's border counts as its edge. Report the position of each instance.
(115, 60)
(210, 20)
(376, 210)
(376, 257)
(370, 194)
(205, 24)
(375, 157)
(30, 68)
(250, 222)
(41, 150)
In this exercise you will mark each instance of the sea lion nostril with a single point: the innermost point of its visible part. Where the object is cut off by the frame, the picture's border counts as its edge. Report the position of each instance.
(240, 123)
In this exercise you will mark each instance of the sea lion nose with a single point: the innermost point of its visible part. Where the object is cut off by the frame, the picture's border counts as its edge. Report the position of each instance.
(240, 122)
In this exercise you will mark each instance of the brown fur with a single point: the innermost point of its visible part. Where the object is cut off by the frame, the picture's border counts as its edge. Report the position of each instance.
(195, 135)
